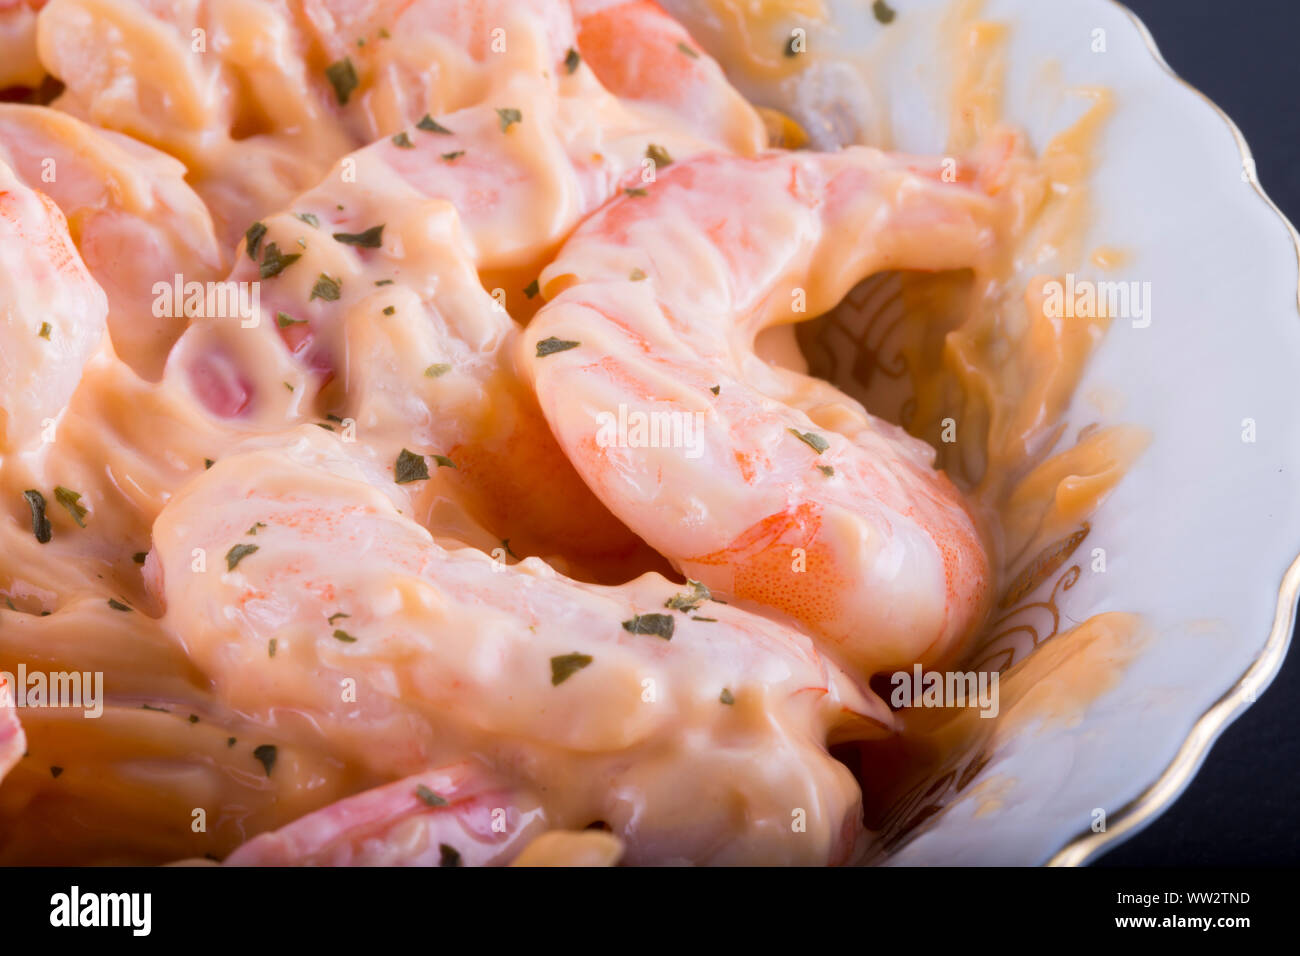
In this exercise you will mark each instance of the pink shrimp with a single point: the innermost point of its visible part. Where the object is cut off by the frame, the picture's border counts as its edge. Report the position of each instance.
(56, 314)
(786, 493)
(640, 706)
(134, 220)
(640, 53)
(447, 817)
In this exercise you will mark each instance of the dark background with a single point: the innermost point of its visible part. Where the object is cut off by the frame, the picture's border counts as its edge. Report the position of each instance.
(1244, 805)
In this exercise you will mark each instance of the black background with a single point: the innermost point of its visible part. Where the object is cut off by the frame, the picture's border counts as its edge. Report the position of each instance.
(1244, 805)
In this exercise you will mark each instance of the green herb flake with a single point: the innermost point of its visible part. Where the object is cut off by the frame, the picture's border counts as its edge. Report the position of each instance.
(706, 620)
(383, 33)
(384, 282)
(284, 320)
(270, 647)
(690, 599)
(826, 470)
(237, 554)
(231, 741)
(266, 755)
(40, 523)
(344, 636)
(410, 467)
(194, 718)
(791, 46)
(688, 51)
(814, 441)
(139, 557)
(716, 389)
(55, 772)
(309, 218)
(656, 625)
(255, 526)
(253, 239)
(430, 797)
(636, 275)
(658, 155)
(448, 855)
(726, 697)
(389, 310)
(274, 261)
(326, 288)
(403, 141)
(572, 60)
(372, 238)
(532, 289)
(46, 328)
(208, 463)
(566, 665)
(343, 77)
(551, 345)
(437, 369)
(71, 500)
(509, 117)
(159, 710)
(883, 11)
(431, 125)
(505, 543)
(118, 605)
(453, 155)
(638, 192)
(336, 615)
(443, 461)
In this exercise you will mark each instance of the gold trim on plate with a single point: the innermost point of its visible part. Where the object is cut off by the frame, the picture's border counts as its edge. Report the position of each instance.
(1165, 790)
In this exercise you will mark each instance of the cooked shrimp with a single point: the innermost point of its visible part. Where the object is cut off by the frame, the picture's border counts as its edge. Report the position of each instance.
(402, 336)
(261, 113)
(448, 817)
(54, 315)
(132, 216)
(640, 53)
(781, 491)
(641, 706)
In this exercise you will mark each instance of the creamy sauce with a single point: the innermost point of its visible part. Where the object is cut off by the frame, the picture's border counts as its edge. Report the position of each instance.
(192, 691)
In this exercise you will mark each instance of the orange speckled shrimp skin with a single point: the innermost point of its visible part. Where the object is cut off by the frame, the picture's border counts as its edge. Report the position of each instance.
(787, 493)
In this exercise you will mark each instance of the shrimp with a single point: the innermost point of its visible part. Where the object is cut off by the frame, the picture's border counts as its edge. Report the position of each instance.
(641, 54)
(447, 817)
(131, 214)
(54, 315)
(639, 706)
(379, 315)
(779, 490)
(274, 100)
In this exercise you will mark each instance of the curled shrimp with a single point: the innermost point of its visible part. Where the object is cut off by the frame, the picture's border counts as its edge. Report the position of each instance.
(55, 315)
(775, 488)
(379, 316)
(640, 706)
(131, 214)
